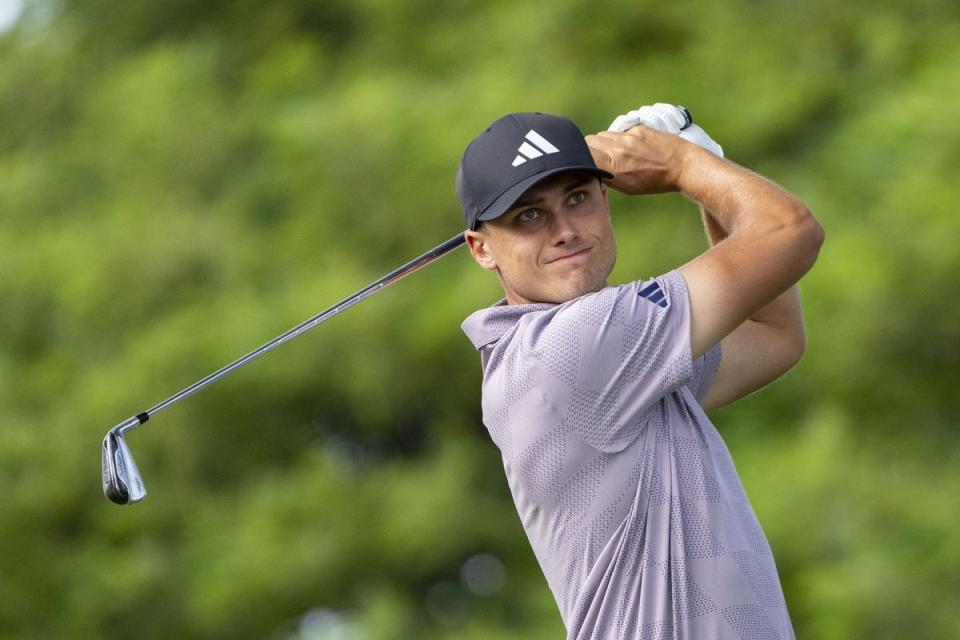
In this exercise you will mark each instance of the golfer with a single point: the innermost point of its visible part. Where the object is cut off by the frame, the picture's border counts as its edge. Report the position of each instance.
(596, 394)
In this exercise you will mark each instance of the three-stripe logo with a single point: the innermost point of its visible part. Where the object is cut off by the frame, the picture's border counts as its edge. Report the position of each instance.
(654, 294)
(534, 146)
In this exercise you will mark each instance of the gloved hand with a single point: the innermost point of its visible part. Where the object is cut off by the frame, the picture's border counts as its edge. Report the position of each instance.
(669, 119)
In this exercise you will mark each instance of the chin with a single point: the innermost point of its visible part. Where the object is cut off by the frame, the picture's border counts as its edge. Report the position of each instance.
(559, 291)
(574, 292)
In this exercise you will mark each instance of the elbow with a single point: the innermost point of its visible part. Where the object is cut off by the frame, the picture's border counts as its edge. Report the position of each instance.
(795, 349)
(788, 353)
(814, 233)
(808, 236)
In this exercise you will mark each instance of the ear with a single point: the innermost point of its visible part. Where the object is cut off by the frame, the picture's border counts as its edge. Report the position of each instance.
(605, 194)
(480, 249)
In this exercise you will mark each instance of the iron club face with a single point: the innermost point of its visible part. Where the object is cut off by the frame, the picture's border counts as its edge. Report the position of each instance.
(122, 483)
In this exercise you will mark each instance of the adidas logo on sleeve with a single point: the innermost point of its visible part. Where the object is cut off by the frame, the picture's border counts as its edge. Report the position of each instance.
(654, 294)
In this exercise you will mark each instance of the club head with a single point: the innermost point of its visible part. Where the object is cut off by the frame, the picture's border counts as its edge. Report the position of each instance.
(122, 483)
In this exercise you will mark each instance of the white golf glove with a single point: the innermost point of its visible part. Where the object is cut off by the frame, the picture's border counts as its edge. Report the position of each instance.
(669, 119)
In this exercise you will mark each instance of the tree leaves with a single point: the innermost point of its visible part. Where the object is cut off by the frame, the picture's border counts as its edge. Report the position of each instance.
(180, 182)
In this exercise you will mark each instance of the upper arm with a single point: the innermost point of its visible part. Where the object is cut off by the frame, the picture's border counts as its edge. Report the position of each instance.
(737, 277)
(738, 298)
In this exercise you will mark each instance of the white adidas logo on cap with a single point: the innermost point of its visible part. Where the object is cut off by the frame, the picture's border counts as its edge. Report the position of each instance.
(534, 146)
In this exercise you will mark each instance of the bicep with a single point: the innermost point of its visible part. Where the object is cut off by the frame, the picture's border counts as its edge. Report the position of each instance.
(733, 280)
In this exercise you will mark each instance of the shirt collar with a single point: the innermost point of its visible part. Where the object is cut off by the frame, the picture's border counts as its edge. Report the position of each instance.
(488, 325)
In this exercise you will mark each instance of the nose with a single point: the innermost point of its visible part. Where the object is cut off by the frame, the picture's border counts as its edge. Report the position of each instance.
(562, 229)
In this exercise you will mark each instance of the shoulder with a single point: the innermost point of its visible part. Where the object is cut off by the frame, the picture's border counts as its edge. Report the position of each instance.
(626, 304)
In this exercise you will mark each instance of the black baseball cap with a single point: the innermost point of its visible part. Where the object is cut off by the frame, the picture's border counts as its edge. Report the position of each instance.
(513, 154)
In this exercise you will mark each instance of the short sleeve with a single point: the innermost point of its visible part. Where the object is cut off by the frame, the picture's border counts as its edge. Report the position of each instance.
(612, 354)
(705, 371)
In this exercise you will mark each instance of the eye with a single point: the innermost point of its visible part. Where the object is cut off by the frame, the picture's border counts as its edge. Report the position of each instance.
(577, 197)
(528, 215)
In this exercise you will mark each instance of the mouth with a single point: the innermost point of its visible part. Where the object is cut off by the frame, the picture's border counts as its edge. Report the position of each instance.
(570, 256)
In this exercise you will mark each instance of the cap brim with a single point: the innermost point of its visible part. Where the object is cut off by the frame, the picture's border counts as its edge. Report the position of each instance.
(505, 201)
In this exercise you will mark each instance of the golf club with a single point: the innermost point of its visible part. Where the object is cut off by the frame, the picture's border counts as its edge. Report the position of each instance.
(122, 483)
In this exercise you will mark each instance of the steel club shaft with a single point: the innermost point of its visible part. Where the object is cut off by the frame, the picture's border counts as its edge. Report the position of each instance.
(121, 480)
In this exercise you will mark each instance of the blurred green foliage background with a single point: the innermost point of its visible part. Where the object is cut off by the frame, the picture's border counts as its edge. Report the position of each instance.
(181, 181)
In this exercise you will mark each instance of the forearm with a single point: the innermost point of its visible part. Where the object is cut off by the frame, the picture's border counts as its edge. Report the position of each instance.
(715, 232)
(735, 200)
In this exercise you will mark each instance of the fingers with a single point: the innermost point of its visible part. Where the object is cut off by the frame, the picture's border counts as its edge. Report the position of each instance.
(601, 156)
(611, 140)
(610, 135)
(639, 139)
(602, 152)
(609, 149)
(642, 160)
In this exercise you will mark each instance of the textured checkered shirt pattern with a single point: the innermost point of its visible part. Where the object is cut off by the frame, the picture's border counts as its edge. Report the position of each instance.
(627, 492)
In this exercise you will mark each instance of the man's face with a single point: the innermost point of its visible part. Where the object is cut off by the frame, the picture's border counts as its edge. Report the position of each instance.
(554, 245)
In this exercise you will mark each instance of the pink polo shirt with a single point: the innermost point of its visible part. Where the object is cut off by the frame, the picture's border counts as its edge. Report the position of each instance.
(627, 492)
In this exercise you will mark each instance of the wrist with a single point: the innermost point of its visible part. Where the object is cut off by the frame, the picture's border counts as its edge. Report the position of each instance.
(694, 165)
